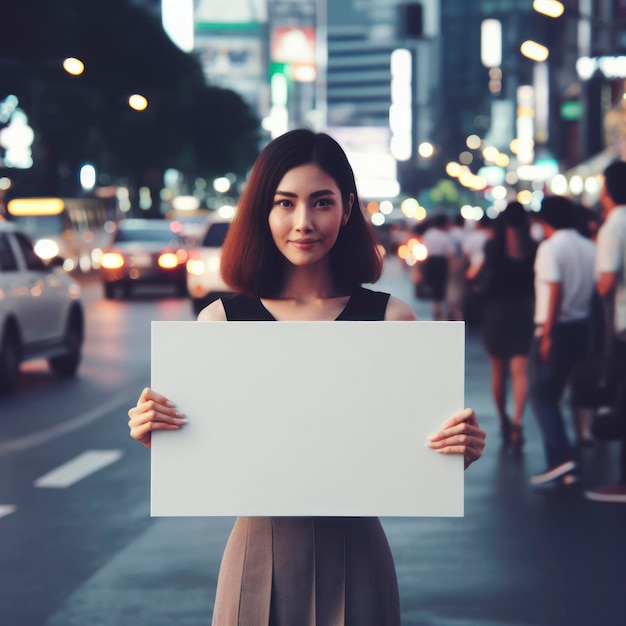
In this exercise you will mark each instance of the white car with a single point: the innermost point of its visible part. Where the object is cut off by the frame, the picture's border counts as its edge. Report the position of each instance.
(204, 282)
(41, 314)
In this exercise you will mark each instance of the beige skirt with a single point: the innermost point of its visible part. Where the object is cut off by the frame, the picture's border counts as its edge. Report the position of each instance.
(307, 571)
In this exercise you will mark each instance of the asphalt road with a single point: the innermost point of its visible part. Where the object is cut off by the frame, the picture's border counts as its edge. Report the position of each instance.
(77, 545)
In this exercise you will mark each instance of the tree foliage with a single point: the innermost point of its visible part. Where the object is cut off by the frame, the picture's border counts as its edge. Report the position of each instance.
(200, 129)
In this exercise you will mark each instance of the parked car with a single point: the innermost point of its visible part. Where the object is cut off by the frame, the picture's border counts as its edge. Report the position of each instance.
(204, 282)
(41, 313)
(144, 252)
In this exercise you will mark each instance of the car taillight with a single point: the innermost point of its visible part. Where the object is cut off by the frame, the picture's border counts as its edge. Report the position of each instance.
(112, 260)
(181, 255)
(168, 261)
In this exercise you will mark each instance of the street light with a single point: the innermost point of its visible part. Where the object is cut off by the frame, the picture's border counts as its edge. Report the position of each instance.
(426, 150)
(73, 66)
(138, 102)
(534, 51)
(551, 8)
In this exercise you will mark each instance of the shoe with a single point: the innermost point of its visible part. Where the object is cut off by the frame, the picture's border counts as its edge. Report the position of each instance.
(553, 473)
(608, 493)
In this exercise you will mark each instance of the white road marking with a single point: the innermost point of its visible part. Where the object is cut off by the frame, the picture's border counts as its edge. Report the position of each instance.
(44, 436)
(7, 509)
(82, 466)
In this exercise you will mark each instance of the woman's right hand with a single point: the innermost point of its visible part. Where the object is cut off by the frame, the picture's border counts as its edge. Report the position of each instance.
(153, 412)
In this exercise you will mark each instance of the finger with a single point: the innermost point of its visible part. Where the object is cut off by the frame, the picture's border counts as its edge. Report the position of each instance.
(461, 449)
(155, 416)
(150, 407)
(469, 453)
(458, 440)
(150, 394)
(461, 428)
(139, 432)
(464, 416)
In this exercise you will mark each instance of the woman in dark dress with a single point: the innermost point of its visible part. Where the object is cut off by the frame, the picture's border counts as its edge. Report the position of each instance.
(299, 249)
(507, 324)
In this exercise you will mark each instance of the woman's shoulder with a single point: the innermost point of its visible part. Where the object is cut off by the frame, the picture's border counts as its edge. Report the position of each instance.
(213, 312)
(235, 308)
(380, 305)
(398, 311)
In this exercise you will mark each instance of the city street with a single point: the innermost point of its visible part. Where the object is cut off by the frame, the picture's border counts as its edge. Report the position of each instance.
(78, 547)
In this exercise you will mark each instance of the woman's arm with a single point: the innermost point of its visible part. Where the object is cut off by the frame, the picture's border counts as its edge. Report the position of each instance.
(154, 411)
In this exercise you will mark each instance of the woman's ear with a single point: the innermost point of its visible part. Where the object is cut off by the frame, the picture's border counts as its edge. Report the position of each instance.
(347, 210)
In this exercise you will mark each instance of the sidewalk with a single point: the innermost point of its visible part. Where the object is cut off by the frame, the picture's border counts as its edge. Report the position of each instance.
(518, 557)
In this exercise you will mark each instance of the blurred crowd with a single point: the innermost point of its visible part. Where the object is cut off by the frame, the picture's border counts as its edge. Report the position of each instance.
(546, 291)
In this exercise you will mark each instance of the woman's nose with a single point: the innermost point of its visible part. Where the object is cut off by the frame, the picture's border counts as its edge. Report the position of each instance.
(302, 218)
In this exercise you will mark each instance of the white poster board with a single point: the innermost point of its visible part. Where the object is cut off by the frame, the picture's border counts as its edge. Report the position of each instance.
(307, 418)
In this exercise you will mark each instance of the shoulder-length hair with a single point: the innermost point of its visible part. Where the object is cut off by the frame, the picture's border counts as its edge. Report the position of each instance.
(252, 264)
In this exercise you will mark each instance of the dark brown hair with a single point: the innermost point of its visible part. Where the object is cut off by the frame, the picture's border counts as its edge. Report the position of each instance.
(615, 181)
(252, 264)
(558, 212)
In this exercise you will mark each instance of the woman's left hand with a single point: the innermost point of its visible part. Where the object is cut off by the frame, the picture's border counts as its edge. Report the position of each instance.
(460, 435)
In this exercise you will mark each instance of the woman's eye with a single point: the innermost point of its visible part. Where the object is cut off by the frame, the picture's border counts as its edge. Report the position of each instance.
(324, 202)
(285, 204)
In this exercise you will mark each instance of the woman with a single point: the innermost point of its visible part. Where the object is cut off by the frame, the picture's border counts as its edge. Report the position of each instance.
(507, 324)
(299, 248)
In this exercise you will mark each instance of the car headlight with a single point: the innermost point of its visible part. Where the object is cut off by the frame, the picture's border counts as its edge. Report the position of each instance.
(112, 260)
(196, 267)
(46, 249)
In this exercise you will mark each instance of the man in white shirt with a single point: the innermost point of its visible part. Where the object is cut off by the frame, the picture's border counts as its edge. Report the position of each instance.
(611, 285)
(436, 266)
(564, 285)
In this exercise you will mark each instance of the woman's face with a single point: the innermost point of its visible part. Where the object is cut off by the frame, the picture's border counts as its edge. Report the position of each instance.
(306, 215)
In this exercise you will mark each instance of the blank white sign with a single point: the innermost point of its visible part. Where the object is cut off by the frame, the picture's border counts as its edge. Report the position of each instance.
(307, 418)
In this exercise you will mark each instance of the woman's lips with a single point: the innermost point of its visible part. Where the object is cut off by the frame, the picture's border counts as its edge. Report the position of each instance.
(304, 244)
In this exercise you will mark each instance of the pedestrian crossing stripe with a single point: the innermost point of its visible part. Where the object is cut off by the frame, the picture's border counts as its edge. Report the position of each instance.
(78, 468)
(7, 509)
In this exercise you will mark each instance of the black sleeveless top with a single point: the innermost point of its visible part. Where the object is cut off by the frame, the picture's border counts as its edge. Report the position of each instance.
(364, 305)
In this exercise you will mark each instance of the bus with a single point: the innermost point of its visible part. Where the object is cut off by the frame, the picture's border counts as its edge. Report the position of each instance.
(72, 229)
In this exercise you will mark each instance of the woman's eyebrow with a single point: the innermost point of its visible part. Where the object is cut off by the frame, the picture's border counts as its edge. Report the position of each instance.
(315, 194)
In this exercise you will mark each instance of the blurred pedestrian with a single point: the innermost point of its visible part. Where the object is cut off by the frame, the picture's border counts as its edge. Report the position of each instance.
(507, 323)
(588, 222)
(588, 377)
(436, 266)
(564, 285)
(299, 249)
(456, 272)
(611, 285)
(474, 242)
